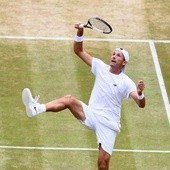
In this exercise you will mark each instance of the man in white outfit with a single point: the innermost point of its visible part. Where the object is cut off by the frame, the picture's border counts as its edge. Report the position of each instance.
(102, 114)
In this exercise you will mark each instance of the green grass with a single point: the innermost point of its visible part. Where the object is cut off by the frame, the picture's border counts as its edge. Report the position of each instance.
(51, 69)
(163, 51)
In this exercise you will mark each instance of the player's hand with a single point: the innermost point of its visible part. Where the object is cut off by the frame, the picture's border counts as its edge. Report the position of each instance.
(77, 26)
(140, 87)
(80, 30)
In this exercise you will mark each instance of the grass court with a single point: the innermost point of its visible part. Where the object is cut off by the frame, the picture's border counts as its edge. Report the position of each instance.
(36, 51)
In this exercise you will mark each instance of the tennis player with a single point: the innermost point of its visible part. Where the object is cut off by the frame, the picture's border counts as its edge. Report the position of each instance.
(102, 114)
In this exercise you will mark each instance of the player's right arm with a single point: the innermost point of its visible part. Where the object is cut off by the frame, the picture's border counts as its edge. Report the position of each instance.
(79, 50)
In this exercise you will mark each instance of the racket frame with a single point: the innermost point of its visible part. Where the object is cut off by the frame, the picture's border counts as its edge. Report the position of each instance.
(89, 25)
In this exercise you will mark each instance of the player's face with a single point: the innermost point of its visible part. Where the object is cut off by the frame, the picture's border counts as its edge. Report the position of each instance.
(117, 59)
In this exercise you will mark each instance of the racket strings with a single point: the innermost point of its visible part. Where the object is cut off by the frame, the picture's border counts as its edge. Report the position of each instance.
(100, 25)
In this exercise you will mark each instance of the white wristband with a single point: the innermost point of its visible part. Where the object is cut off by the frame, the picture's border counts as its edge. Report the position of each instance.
(141, 96)
(78, 39)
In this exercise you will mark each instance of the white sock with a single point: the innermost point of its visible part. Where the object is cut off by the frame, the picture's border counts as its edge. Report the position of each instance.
(41, 108)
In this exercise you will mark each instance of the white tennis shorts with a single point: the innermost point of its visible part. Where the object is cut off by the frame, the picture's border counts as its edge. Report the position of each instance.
(106, 130)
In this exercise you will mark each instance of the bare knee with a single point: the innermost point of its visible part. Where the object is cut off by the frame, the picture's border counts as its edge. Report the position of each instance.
(74, 105)
(65, 102)
(69, 100)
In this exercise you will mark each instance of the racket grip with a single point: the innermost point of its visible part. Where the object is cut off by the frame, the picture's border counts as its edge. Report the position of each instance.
(81, 25)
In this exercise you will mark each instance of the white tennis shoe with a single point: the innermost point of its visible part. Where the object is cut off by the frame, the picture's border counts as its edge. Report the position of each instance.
(32, 106)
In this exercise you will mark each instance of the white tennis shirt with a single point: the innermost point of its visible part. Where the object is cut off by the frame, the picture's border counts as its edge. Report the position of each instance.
(109, 91)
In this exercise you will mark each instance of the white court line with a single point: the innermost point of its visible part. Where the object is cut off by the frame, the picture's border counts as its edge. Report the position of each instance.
(158, 71)
(81, 149)
(160, 78)
(152, 47)
(86, 39)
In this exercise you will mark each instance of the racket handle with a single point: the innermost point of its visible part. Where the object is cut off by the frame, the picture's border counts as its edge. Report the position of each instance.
(81, 25)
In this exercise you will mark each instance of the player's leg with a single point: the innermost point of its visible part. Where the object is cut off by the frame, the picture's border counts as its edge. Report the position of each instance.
(103, 159)
(106, 136)
(67, 102)
(33, 108)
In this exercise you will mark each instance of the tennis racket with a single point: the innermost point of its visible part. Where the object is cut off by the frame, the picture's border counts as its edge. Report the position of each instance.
(97, 24)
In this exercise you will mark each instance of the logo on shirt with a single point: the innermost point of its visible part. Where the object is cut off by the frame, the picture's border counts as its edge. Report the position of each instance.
(115, 85)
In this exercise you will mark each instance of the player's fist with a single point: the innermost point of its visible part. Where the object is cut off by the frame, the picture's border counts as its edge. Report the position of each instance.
(140, 86)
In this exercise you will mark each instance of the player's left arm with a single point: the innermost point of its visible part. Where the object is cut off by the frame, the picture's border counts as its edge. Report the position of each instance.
(138, 95)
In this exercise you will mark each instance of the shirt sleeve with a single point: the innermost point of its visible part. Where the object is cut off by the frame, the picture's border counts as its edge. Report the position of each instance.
(131, 87)
(97, 64)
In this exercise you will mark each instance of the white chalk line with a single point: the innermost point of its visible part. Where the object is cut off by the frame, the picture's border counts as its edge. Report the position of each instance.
(158, 71)
(86, 39)
(151, 44)
(160, 78)
(80, 149)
